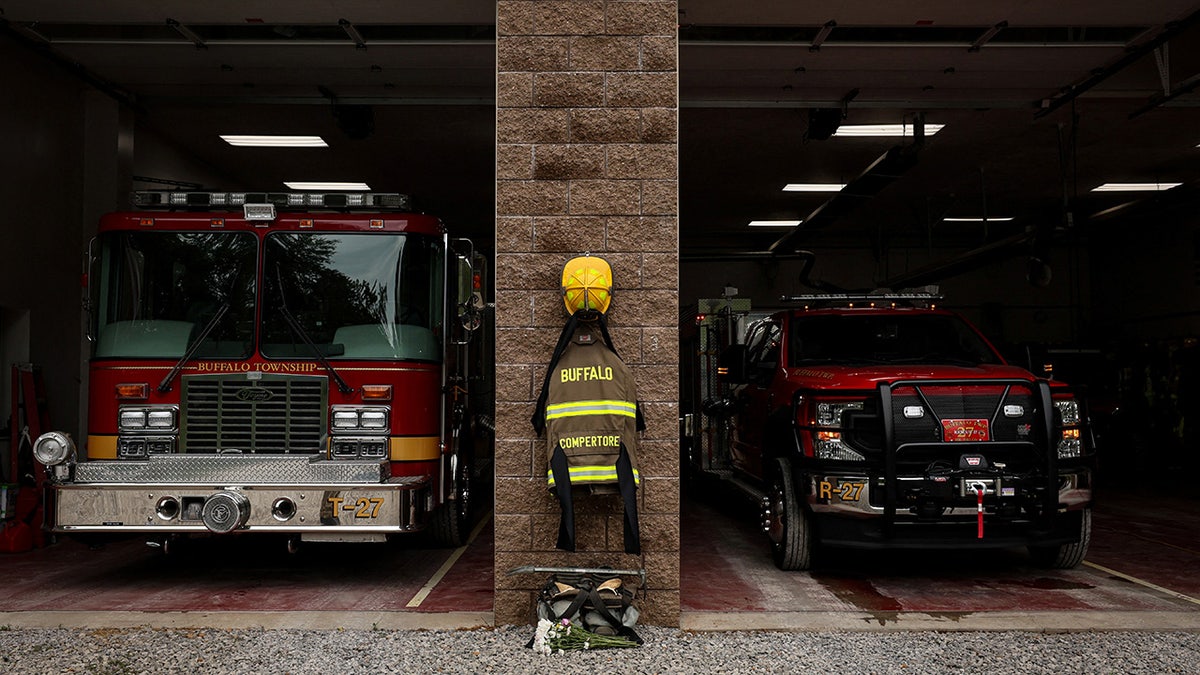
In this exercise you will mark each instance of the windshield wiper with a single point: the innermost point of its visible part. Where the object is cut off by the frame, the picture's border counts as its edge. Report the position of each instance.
(165, 385)
(299, 330)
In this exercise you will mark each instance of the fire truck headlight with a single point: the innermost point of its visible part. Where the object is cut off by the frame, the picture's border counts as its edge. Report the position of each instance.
(53, 448)
(345, 419)
(131, 419)
(141, 418)
(374, 419)
(161, 419)
(361, 418)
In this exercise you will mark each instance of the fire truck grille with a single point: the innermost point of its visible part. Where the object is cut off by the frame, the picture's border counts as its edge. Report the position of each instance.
(274, 415)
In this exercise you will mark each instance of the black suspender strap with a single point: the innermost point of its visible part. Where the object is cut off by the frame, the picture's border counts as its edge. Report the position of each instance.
(628, 487)
(562, 488)
(539, 412)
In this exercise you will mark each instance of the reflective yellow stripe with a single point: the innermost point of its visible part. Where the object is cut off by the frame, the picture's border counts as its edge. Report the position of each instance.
(578, 408)
(413, 448)
(593, 474)
(101, 447)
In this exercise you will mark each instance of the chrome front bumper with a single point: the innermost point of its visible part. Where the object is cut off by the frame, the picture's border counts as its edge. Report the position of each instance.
(239, 493)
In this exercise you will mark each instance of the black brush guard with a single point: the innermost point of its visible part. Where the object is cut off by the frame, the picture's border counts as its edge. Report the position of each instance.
(1040, 443)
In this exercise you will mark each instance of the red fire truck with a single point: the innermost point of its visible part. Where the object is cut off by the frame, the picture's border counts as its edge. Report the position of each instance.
(297, 363)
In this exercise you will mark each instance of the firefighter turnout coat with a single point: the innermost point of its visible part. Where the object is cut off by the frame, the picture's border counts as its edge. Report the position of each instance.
(588, 409)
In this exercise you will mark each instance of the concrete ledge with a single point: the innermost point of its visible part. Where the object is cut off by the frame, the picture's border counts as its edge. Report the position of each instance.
(263, 620)
(1065, 621)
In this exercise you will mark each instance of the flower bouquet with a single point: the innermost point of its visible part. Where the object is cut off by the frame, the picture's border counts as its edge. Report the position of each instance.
(556, 638)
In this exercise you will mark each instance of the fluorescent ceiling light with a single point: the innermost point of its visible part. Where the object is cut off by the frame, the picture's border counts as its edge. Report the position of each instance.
(275, 141)
(775, 223)
(300, 185)
(813, 187)
(864, 130)
(1134, 187)
(979, 219)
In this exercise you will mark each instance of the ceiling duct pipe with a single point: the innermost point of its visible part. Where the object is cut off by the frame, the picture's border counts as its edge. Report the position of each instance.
(1133, 53)
(808, 259)
(882, 172)
(935, 272)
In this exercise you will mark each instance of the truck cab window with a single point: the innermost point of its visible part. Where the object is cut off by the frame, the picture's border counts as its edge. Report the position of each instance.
(355, 296)
(157, 289)
(762, 352)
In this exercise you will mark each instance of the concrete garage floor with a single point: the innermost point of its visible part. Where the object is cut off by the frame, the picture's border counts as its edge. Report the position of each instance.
(227, 582)
(1139, 575)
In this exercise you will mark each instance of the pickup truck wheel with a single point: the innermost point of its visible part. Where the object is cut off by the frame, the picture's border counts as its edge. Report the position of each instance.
(787, 522)
(1065, 556)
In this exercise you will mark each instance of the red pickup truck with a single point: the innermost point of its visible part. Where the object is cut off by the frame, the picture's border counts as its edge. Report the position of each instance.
(881, 421)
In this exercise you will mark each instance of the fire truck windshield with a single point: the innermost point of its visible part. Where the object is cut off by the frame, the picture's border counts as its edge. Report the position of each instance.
(354, 295)
(157, 291)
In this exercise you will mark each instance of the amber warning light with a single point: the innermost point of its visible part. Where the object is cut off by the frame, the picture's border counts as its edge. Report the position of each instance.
(377, 392)
(133, 392)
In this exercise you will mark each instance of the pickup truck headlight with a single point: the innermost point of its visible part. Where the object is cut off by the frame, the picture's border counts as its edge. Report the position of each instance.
(826, 435)
(829, 445)
(1070, 444)
(829, 414)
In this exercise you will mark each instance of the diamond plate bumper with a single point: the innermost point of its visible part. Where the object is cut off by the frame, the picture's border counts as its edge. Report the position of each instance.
(234, 470)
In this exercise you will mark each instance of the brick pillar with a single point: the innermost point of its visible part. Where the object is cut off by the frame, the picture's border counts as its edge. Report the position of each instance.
(586, 161)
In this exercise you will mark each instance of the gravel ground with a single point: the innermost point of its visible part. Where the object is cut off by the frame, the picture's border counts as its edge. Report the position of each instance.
(667, 650)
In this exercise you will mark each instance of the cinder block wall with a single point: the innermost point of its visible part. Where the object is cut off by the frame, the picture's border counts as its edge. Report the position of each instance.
(586, 161)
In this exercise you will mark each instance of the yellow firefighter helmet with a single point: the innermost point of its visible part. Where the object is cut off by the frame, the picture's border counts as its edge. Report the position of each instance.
(587, 284)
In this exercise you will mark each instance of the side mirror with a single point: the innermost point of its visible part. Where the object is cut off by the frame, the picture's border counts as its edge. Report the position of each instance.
(731, 364)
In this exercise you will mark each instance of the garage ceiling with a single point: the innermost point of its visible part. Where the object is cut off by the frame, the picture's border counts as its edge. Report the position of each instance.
(1040, 101)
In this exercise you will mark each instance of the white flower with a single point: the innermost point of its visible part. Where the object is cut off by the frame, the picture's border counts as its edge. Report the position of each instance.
(539, 637)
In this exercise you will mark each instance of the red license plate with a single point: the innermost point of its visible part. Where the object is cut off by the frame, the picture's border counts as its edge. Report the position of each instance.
(964, 430)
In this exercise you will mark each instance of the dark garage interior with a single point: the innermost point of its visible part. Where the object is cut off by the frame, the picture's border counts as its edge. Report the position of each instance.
(1012, 118)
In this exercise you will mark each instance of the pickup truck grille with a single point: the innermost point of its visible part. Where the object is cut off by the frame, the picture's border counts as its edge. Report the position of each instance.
(917, 411)
(1011, 411)
(963, 402)
(277, 414)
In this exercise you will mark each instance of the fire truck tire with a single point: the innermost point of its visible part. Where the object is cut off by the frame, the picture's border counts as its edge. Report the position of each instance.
(1065, 556)
(788, 524)
(450, 522)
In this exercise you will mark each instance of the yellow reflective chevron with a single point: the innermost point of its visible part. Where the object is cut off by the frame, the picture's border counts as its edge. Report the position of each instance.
(592, 474)
(578, 408)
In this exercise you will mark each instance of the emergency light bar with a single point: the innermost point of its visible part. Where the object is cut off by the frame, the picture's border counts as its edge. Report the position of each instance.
(371, 201)
(913, 297)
